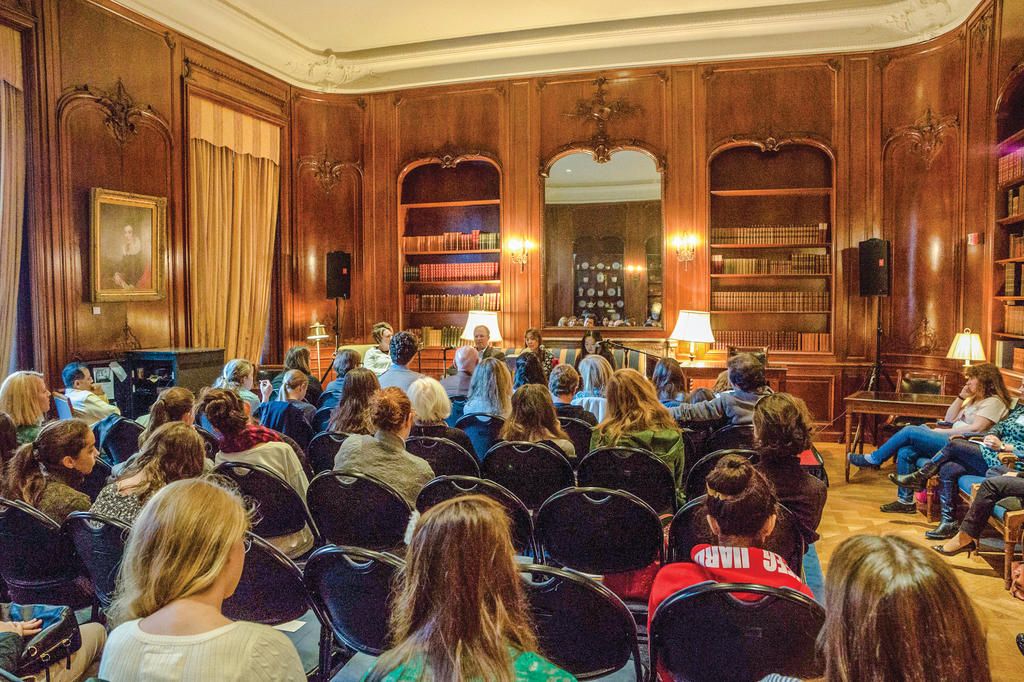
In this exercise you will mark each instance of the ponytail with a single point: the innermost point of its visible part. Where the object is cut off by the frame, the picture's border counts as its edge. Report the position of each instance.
(171, 405)
(293, 380)
(24, 477)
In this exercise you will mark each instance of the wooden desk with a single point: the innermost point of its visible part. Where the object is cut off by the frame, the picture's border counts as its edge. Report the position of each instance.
(924, 405)
(707, 372)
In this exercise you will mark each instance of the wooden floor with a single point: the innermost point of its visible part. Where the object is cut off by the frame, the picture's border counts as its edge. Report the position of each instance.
(852, 508)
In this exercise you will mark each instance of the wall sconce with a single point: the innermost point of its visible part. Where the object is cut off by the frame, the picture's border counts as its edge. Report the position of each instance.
(520, 251)
(685, 247)
(634, 271)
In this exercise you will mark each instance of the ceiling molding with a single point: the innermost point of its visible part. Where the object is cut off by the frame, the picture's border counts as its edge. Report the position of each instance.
(738, 31)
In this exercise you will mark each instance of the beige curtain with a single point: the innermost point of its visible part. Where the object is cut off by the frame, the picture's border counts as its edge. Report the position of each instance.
(233, 199)
(12, 187)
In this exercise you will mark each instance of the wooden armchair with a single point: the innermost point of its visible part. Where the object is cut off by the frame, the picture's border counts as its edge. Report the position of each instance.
(1009, 526)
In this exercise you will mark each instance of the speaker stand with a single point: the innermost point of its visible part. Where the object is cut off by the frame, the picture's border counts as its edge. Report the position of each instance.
(874, 381)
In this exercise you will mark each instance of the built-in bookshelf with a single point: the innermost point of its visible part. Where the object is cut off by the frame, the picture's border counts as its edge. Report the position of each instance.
(771, 217)
(1008, 232)
(449, 216)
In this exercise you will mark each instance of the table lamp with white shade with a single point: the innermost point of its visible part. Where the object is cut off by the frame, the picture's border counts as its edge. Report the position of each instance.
(693, 326)
(481, 318)
(966, 346)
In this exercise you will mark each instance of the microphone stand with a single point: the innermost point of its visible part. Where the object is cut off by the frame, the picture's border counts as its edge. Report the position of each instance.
(616, 344)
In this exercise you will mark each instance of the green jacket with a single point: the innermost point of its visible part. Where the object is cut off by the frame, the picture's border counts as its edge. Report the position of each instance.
(666, 444)
(529, 667)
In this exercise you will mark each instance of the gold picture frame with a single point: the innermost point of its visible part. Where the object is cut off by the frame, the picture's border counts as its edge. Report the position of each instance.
(127, 238)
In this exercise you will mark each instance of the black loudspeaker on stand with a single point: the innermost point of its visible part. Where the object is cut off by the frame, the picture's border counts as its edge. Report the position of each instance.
(875, 271)
(339, 286)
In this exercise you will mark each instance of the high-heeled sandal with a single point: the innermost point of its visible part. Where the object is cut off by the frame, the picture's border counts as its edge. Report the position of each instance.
(970, 548)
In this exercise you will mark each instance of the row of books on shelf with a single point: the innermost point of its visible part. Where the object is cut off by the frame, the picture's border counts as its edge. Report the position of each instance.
(796, 264)
(1008, 355)
(1013, 206)
(1013, 320)
(1011, 280)
(1015, 246)
(452, 241)
(450, 303)
(449, 272)
(1011, 165)
(810, 342)
(770, 301)
(796, 235)
(443, 337)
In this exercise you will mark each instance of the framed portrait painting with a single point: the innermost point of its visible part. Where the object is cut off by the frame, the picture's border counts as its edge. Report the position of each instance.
(127, 237)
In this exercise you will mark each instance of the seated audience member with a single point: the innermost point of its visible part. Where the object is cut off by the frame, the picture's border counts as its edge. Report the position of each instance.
(722, 383)
(297, 358)
(482, 344)
(701, 394)
(669, 382)
(636, 419)
(8, 440)
(178, 569)
(173, 404)
(896, 612)
(431, 406)
(982, 402)
(535, 344)
(782, 431)
(239, 376)
(351, 414)
(534, 420)
(741, 510)
(961, 457)
(466, 360)
(528, 371)
(346, 361)
(595, 372)
(1001, 486)
(172, 452)
(378, 358)
(242, 441)
(26, 399)
(48, 473)
(88, 400)
(563, 384)
(591, 344)
(403, 349)
(15, 635)
(461, 613)
(383, 455)
(490, 391)
(292, 392)
(746, 373)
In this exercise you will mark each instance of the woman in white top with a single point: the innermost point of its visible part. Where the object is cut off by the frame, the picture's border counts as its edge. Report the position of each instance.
(595, 372)
(378, 358)
(178, 569)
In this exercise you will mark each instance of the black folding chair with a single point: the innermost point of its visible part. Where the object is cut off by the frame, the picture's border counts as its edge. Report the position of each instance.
(97, 478)
(288, 422)
(599, 531)
(320, 419)
(581, 625)
(445, 457)
(118, 441)
(446, 487)
(357, 510)
(633, 470)
(735, 437)
(458, 409)
(482, 429)
(532, 471)
(579, 433)
(328, 399)
(37, 560)
(210, 441)
(99, 542)
(690, 528)
(695, 480)
(323, 449)
(271, 590)
(279, 508)
(705, 633)
(353, 588)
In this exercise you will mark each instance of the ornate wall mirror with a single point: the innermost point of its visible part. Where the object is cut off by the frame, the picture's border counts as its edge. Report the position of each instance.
(603, 241)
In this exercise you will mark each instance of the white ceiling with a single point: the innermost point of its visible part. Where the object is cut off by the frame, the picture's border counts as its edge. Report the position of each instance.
(578, 179)
(360, 46)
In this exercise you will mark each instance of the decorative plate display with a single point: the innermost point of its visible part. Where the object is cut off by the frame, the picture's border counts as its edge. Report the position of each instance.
(584, 265)
(590, 291)
(616, 265)
(600, 266)
(600, 278)
(620, 303)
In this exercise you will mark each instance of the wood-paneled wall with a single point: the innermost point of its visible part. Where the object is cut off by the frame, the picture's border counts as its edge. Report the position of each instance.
(910, 130)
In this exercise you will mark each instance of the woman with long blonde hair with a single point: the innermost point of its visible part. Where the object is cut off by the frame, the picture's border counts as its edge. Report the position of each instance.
(636, 419)
(26, 399)
(490, 389)
(178, 569)
(595, 372)
(460, 614)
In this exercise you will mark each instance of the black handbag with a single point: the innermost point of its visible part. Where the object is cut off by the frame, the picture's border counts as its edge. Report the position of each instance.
(56, 641)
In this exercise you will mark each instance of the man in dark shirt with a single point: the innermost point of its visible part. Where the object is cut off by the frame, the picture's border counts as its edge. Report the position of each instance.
(563, 384)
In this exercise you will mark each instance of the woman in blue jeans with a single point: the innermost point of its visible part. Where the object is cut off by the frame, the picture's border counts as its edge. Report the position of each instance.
(982, 402)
